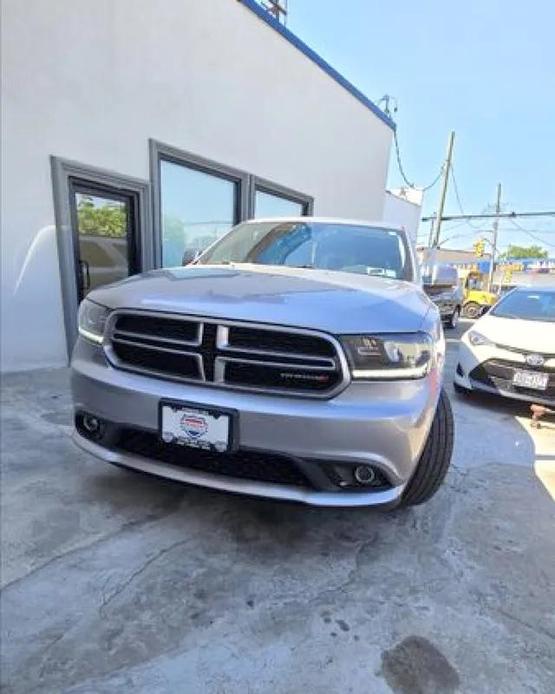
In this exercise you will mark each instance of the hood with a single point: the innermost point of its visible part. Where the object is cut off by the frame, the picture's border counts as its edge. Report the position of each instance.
(335, 302)
(528, 335)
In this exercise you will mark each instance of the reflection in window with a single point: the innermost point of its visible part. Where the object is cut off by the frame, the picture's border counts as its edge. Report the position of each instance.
(102, 225)
(101, 216)
(197, 209)
(269, 205)
(359, 249)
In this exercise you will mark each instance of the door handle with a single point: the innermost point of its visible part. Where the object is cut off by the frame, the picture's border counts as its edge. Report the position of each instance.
(85, 274)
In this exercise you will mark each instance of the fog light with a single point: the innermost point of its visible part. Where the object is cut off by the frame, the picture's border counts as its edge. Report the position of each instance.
(364, 474)
(91, 424)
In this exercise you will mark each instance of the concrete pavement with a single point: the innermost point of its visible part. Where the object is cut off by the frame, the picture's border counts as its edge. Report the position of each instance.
(119, 582)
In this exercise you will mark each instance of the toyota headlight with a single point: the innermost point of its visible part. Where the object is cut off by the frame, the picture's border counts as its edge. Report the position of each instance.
(92, 320)
(477, 339)
(391, 356)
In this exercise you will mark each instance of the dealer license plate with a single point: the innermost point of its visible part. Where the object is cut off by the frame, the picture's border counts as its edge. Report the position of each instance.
(195, 427)
(530, 379)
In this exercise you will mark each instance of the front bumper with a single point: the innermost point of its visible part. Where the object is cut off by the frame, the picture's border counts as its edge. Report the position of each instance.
(473, 372)
(383, 424)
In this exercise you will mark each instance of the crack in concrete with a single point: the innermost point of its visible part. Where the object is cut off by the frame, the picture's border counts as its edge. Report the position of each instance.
(119, 590)
(130, 525)
(45, 651)
(534, 627)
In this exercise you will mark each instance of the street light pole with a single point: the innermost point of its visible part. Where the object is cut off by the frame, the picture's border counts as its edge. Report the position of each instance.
(494, 239)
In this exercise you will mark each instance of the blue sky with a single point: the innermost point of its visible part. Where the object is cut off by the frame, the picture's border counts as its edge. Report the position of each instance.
(484, 68)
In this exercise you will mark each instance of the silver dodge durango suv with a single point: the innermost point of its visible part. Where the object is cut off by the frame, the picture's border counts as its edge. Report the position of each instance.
(294, 359)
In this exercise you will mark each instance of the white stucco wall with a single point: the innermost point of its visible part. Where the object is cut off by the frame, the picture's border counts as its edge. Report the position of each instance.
(92, 81)
(404, 208)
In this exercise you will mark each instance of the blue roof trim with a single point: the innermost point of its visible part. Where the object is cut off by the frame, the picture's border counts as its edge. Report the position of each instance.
(326, 67)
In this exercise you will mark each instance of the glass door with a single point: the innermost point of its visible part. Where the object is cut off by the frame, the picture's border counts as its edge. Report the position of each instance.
(105, 234)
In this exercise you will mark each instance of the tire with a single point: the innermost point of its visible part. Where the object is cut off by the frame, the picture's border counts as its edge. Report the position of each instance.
(436, 456)
(453, 319)
(472, 310)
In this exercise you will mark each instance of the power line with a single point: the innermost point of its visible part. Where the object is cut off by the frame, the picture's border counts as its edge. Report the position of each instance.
(423, 189)
(488, 215)
(456, 226)
(544, 232)
(532, 236)
(457, 195)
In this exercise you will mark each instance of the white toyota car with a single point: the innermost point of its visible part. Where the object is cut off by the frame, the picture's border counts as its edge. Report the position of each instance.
(510, 351)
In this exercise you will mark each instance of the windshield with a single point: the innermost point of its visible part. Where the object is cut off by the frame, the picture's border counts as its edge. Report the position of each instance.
(353, 248)
(527, 304)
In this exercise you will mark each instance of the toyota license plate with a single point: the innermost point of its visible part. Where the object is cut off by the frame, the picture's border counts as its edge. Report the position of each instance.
(530, 379)
(195, 427)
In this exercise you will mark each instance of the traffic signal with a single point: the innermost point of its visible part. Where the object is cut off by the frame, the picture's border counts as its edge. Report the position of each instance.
(479, 248)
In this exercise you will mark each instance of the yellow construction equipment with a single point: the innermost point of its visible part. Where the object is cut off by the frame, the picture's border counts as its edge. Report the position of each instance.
(476, 295)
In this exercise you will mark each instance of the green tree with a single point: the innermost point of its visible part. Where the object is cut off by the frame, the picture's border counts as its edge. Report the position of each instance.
(518, 252)
(108, 219)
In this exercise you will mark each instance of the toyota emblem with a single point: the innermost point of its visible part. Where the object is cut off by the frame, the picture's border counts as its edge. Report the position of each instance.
(534, 359)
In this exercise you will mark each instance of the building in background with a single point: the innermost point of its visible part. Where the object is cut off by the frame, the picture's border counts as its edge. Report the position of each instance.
(461, 258)
(136, 133)
(508, 273)
(403, 207)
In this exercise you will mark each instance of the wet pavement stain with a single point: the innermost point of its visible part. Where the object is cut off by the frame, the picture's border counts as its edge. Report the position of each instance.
(58, 418)
(416, 666)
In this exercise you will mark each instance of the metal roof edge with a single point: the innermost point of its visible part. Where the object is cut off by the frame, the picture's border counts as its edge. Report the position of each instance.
(265, 16)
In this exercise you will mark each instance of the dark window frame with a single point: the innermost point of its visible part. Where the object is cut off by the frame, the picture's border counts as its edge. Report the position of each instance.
(159, 152)
(127, 197)
(265, 186)
(65, 171)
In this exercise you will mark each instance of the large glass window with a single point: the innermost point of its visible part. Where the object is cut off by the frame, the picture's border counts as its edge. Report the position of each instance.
(270, 205)
(197, 209)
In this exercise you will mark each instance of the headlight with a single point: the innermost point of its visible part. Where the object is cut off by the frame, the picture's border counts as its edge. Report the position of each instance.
(396, 356)
(477, 339)
(92, 320)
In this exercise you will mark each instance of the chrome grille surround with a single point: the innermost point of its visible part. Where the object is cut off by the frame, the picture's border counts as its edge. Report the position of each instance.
(210, 365)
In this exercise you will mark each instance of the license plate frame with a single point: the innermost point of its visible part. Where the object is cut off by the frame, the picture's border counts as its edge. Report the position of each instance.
(535, 380)
(187, 437)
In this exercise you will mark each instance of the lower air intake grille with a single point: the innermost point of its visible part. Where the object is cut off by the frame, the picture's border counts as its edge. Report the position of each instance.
(249, 465)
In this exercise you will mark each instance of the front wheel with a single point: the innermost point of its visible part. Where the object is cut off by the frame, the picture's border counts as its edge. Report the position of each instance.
(472, 310)
(436, 456)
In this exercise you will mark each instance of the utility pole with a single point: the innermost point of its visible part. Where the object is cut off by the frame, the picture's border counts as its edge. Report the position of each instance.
(431, 234)
(494, 239)
(444, 184)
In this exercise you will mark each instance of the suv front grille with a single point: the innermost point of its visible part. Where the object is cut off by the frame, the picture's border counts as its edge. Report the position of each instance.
(214, 352)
